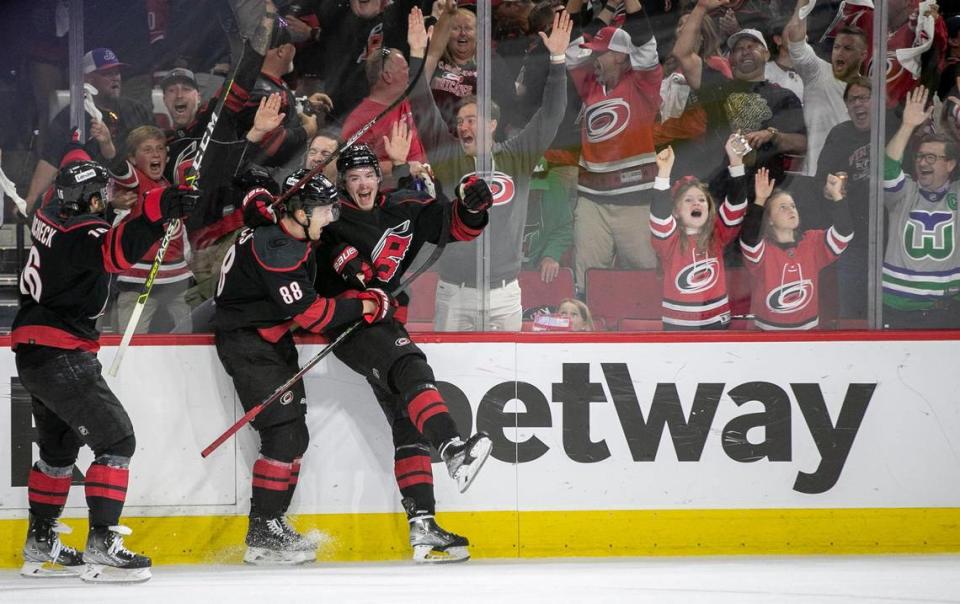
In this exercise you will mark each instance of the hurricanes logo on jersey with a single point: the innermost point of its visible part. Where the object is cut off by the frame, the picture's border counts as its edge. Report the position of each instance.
(390, 250)
(790, 297)
(929, 235)
(606, 119)
(697, 277)
(502, 187)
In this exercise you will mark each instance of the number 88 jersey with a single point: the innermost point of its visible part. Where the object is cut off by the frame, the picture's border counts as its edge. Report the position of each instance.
(266, 281)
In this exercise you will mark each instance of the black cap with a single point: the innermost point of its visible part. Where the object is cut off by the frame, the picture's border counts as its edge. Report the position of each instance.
(179, 74)
(281, 35)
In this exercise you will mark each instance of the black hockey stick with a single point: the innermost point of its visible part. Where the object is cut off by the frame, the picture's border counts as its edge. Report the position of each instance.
(255, 411)
(174, 225)
(356, 135)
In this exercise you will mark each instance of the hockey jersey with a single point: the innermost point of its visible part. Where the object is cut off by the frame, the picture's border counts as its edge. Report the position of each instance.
(921, 264)
(390, 235)
(785, 277)
(694, 281)
(267, 283)
(617, 152)
(65, 283)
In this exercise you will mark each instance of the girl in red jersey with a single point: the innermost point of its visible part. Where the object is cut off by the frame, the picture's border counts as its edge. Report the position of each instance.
(785, 262)
(689, 234)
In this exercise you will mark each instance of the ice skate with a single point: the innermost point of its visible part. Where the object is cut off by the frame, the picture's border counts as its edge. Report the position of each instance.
(271, 540)
(433, 545)
(44, 555)
(464, 459)
(108, 561)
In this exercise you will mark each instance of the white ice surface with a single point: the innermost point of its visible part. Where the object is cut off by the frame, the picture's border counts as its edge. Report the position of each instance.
(740, 580)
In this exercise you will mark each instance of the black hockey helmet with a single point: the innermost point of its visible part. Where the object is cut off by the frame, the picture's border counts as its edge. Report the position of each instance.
(77, 183)
(357, 156)
(318, 191)
(256, 176)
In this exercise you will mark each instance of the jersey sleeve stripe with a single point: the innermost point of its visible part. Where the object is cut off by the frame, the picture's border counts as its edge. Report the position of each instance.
(753, 254)
(836, 242)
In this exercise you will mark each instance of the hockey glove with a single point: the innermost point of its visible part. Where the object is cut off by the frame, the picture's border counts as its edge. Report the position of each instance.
(475, 195)
(385, 305)
(348, 263)
(258, 209)
(178, 202)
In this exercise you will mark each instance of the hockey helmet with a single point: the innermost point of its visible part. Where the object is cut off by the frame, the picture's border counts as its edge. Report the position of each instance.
(77, 183)
(357, 156)
(316, 192)
(256, 176)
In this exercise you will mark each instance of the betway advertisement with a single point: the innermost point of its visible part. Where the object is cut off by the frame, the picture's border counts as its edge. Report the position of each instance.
(576, 426)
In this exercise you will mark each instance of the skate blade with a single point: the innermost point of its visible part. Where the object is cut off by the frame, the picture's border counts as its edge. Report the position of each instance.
(99, 573)
(261, 556)
(49, 570)
(467, 473)
(425, 554)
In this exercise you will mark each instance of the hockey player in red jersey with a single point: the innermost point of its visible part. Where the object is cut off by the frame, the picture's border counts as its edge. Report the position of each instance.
(372, 245)
(689, 234)
(64, 288)
(785, 262)
(266, 289)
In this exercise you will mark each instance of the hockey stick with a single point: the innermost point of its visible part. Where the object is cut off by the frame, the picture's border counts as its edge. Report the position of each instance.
(354, 138)
(255, 411)
(174, 225)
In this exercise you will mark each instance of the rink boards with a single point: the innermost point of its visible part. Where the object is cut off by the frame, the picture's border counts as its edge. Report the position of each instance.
(608, 445)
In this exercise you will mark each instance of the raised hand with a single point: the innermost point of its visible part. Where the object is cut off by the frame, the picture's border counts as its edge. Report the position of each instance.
(665, 161)
(762, 186)
(834, 187)
(559, 37)
(100, 132)
(397, 145)
(736, 147)
(713, 4)
(417, 36)
(915, 112)
(268, 116)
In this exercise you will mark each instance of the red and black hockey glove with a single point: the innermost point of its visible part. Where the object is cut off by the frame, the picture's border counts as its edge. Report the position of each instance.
(177, 202)
(385, 305)
(475, 195)
(258, 209)
(351, 266)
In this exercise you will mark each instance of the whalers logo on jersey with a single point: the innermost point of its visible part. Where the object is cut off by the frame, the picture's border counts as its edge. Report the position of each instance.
(929, 235)
(501, 186)
(698, 276)
(390, 250)
(790, 297)
(606, 119)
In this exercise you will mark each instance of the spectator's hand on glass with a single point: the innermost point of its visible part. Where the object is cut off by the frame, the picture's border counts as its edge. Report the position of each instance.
(267, 118)
(100, 132)
(420, 170)
(834, 188)
(549, 269)
(762, 186)
(123, 199)
(728, 23)
(665, 161)
(736, 148)
(759, 138)
(417, 35)
(397, 145)
(441, 7)
(321, 102)
(559, 37)
(915, 112)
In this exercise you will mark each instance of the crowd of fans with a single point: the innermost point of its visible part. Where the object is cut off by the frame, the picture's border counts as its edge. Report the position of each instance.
(696, 139)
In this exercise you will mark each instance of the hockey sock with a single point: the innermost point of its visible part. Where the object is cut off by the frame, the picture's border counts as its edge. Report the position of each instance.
(271, 481)
(429, 414)
(415, 479)
(47, 489)
(106, 489)
(292, 483)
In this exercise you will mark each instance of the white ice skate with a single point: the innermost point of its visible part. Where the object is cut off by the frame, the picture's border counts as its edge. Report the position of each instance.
(108, 561)
(433, 545)
(44, 555)
(464, 459)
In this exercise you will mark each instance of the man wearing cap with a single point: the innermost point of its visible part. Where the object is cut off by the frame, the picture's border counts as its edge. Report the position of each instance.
(617, 74)
(823, 83)
(770, 117)
(181, 96)
(101, 68)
